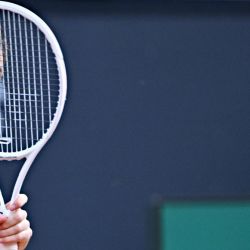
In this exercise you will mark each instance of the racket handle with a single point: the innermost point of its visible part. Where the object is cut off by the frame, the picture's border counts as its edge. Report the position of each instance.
(10, 246)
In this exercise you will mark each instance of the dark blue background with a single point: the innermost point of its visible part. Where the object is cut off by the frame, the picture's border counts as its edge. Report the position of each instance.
(158, 106)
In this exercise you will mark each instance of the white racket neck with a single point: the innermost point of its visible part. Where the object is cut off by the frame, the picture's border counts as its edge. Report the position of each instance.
(22, 174)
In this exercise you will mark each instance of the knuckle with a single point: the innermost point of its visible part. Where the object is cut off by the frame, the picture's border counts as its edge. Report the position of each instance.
(27, 224)
(30, 232)
(18, 227)
(23, 214)
(27, 234)
(19, 216)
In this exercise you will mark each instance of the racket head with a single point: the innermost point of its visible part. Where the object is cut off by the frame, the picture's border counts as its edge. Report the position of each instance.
(29, 67)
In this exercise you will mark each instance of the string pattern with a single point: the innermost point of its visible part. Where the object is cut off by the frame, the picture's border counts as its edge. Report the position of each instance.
(29, 83)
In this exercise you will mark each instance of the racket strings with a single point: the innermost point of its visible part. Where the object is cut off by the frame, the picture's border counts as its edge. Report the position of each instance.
(29, 84)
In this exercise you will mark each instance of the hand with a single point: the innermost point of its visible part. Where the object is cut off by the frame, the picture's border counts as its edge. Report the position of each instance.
(16, 227)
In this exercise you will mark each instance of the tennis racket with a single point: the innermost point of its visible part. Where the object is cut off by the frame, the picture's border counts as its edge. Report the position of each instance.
(32, 89)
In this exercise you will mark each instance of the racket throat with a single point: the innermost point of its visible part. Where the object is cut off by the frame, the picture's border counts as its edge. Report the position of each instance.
(22, 174)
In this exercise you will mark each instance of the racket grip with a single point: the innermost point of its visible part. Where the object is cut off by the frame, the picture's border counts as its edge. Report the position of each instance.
(9, 246)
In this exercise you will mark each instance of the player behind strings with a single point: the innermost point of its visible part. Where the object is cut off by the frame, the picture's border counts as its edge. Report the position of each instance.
(16, 228)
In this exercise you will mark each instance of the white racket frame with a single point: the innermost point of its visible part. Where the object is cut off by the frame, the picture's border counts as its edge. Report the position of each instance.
(62, 78)
(32, 152)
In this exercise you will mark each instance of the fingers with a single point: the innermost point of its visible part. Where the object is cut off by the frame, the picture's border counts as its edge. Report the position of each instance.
(3, 219)
(15, 218)
(25, 238)
(18, 203)
(16, 229)
(22, 237)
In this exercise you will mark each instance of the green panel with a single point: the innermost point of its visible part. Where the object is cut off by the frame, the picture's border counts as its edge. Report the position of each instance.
(205, 226)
